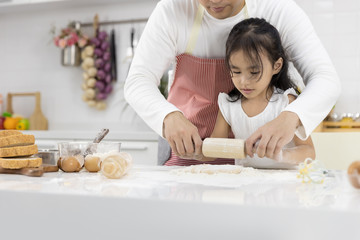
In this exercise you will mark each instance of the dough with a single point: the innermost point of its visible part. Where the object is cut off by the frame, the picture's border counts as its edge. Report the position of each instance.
(210, 169)
(116, 165)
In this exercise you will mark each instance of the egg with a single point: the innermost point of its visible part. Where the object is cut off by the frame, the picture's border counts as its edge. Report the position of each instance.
(354, 174)
(92, 163)
(72, 163)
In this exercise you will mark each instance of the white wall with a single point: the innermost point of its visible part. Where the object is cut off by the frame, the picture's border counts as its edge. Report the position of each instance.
(337, 23)
(30, 62)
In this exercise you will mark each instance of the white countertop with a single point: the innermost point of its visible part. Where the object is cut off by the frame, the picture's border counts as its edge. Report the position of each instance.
(156, 203)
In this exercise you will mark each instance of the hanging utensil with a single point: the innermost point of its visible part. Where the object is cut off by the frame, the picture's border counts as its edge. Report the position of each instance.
(130, 51)
(132, 34)
(113, 55)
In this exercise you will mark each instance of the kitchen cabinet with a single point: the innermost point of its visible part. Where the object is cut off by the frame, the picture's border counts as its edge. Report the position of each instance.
(142, 146)
(337, 150)
(156, 203)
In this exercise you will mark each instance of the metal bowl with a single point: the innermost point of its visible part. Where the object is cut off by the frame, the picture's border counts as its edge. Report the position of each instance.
(49, 156)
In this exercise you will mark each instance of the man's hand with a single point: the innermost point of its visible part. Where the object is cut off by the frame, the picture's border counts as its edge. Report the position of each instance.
(182, 135)
(273, 136)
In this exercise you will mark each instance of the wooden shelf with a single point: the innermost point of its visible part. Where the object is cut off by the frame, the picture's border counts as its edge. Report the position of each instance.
(326, 126)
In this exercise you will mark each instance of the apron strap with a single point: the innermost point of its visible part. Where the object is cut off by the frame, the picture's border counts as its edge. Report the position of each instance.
(246, 12)
(196, 27)
(195, 30)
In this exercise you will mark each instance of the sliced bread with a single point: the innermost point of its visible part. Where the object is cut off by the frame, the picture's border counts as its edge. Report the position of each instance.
(5, 133)
(17, 163)
(18, 151)
(17, 140)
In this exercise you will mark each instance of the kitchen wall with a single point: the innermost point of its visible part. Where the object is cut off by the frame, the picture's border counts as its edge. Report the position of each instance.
(337, 23)
(30, 62)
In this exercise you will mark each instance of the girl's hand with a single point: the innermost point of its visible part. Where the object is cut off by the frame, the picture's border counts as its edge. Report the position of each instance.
(273, 136)
(183, 136)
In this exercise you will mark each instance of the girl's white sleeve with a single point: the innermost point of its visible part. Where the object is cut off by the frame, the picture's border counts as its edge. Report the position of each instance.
(155, 52)
(310, 58)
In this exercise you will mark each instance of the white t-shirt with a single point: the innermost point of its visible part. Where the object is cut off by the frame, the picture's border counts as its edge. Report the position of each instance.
(243, 126)
(167, 33)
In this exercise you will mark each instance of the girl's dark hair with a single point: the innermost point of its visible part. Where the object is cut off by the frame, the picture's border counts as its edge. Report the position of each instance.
(253, 36)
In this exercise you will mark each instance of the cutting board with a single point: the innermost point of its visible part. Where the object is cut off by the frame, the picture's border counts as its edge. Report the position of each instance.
(37, 120)
(32, 172)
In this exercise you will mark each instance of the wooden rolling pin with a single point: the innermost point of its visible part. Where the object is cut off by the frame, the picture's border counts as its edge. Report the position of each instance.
(224, 148)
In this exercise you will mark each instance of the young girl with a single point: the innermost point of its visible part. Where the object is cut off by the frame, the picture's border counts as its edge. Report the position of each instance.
(259, 71)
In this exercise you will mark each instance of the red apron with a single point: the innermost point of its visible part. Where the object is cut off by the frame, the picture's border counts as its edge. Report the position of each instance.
(197, 84)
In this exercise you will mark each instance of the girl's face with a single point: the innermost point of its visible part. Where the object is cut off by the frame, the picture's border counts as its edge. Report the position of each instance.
(251, 79)
(222, 9)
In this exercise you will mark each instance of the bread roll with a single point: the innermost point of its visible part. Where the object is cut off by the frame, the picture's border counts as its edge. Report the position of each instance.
(116, 165)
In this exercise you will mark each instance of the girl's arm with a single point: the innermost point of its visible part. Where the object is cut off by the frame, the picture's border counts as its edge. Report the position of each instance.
(303, 148)
(221, 130)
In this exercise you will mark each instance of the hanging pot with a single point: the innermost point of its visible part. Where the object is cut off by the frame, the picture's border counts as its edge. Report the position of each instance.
(70, 56)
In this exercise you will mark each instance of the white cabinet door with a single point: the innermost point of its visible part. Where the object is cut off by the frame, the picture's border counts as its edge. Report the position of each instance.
(144, 153)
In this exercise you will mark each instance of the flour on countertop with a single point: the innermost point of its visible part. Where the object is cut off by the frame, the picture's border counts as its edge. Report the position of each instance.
(218, 169)
(214, 175)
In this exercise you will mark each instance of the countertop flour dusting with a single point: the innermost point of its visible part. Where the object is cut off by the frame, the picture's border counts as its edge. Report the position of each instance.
(229, 175)
(218, 169)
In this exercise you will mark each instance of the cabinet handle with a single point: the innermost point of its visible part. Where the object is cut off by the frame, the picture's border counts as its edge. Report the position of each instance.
(139, 148)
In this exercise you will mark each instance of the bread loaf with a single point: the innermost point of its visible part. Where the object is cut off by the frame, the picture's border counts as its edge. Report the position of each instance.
(5, 133)
(17, 140)
(17, 163)
(18, 151)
